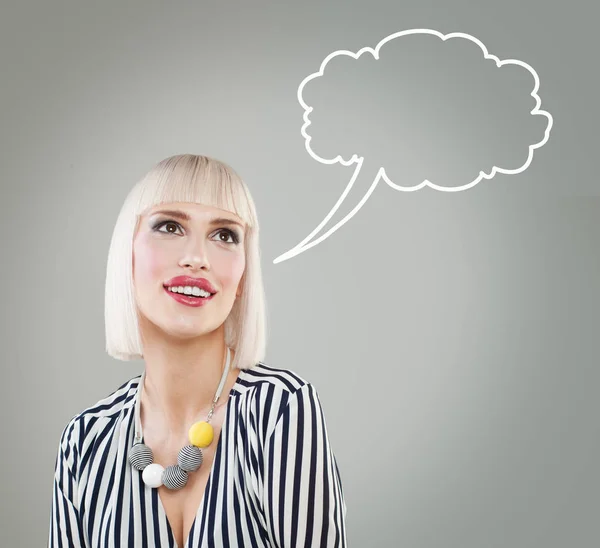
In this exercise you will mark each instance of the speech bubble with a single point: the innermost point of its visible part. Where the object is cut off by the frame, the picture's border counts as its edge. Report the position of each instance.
(349, 123)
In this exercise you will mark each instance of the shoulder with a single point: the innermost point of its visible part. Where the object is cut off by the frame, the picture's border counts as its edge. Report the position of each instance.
(265, 376)
(275, 392)
(114, 403)
(86, 423)
(275, 385)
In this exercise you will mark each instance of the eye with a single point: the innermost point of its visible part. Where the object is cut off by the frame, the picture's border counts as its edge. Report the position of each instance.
(228, 233)
(166, 223)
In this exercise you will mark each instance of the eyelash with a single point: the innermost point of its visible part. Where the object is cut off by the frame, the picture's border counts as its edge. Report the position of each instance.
(232, 233)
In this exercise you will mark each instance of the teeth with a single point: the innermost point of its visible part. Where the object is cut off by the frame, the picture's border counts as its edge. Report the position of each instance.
(189, 290)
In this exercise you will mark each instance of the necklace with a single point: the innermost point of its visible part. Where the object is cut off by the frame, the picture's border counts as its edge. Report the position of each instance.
(190, 456)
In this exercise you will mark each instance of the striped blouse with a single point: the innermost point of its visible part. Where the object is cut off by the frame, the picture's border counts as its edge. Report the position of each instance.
(274, 480)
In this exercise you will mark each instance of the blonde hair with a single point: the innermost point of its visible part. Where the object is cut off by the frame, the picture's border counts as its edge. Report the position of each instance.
(195, 179)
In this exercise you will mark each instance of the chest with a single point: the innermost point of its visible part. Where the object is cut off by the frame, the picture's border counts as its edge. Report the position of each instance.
(182, 506)
(225, 494)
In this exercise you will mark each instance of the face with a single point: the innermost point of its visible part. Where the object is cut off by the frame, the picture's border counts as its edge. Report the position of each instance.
(190, 240)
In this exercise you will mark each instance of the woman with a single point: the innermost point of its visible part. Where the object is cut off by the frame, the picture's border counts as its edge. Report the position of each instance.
(209, 446)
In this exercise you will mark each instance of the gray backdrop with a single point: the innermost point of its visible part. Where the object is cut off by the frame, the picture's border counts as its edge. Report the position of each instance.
(453, 337)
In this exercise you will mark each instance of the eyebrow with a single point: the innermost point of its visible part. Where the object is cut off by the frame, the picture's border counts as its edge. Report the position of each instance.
(185, 217)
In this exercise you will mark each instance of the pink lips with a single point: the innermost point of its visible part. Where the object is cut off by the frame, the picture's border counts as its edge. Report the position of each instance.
(187, 300)
(182, 281)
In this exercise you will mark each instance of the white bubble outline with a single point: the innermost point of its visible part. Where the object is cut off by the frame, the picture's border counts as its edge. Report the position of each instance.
(300, 247)
(375, 51)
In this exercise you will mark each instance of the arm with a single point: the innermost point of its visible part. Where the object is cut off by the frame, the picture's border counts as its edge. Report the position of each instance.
(66, 528)
(303, 497)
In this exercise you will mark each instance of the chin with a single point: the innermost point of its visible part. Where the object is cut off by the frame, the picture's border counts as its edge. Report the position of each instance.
(188, 331)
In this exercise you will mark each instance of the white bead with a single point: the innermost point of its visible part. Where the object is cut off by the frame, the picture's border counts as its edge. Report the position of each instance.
(152, 475)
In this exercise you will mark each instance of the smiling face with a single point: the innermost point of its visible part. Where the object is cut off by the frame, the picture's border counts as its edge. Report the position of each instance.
(185, 239)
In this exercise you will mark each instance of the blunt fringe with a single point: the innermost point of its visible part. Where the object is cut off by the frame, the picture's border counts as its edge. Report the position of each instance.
(194, 179)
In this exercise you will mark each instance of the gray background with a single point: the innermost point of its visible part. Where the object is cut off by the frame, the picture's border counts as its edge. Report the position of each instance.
(453, 337)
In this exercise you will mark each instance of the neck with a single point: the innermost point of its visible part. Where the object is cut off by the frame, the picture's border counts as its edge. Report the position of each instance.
(182, 379)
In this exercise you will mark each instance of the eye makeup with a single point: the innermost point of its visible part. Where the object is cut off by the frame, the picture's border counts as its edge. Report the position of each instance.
(156, 226)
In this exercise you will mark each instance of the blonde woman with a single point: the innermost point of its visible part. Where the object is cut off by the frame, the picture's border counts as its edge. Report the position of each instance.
(209, 446)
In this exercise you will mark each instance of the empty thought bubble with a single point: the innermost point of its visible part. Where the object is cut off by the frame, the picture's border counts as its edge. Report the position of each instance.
(421, 109)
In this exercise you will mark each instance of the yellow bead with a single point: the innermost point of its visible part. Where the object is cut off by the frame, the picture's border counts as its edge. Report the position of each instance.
(201, 434)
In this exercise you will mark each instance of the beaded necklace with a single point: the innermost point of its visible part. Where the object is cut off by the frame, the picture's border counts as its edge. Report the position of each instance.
(190, 457)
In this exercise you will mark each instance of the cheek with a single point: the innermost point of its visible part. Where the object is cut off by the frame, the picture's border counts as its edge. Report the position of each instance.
(148, 261)
(232, 270)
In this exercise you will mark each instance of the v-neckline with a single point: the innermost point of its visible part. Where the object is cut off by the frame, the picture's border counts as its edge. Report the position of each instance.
(200, 511)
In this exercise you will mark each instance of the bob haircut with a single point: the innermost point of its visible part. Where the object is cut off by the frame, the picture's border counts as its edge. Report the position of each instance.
(193, 179)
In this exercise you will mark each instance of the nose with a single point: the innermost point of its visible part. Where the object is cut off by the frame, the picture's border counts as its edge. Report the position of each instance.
(195, 257)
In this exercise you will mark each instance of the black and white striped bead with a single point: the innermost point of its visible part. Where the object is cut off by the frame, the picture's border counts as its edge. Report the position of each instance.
(174, 477)
(140, 456)
(190, 458)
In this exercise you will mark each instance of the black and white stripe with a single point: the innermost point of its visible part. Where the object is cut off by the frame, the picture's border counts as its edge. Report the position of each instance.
(274, 479)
